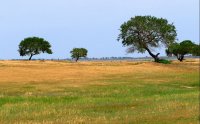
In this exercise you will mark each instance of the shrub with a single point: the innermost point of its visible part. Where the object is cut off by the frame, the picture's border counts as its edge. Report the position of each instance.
(163, 61)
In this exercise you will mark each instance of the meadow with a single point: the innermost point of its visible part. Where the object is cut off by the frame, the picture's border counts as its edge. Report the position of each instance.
(118, 92)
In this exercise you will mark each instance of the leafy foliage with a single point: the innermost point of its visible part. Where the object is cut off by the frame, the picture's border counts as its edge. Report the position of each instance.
(33, 45)
(196, 50)
(181, 49)
(143, 33)
(78, 53)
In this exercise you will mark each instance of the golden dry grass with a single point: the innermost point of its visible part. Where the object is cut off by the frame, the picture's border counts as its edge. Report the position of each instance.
(98, 92)
(82, 72)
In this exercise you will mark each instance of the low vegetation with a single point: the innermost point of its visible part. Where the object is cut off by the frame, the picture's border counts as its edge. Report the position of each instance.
(163, 61)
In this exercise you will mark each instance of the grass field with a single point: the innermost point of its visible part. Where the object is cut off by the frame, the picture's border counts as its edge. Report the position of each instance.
(99, 92)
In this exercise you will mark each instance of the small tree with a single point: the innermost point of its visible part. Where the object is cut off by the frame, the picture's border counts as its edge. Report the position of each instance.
(143, 33)
(181, 49)
(77, 53)
(33, 46)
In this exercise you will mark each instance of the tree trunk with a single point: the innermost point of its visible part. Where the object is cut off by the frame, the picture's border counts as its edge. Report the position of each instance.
(77, 59)
(156, 59)
(180, 57)
(30, 57)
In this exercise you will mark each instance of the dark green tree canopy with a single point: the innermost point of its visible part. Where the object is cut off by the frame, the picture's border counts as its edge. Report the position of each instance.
(33, 45)
(196, 50)
(143, 33)
(181, 49)
(77, 53)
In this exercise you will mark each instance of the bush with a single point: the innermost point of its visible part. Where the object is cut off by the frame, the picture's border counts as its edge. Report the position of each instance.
(163, 61)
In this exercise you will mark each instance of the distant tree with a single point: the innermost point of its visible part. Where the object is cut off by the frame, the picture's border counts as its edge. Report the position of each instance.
(181, 49)
(33, 46)
(143, 33)
(77, 53)
(196, 50)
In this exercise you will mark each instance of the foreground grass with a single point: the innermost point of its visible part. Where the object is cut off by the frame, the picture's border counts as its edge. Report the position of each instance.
(99, 92)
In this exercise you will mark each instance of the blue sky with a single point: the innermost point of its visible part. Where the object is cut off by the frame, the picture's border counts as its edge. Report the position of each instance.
(93, 24)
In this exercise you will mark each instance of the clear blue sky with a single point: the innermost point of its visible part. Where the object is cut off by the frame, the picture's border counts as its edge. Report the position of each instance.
(93, 24)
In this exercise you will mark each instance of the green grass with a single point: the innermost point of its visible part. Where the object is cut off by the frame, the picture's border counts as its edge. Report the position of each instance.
(126, 98)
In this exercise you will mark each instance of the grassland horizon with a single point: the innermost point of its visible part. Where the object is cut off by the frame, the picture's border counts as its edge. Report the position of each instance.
(99, 92)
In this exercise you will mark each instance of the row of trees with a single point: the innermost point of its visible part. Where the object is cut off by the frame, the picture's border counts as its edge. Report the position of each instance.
(33, 46)
(141, 34)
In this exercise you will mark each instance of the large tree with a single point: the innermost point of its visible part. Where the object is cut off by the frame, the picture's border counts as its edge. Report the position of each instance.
(33, 46)
(181, 49)
(77, 53)
(143, 33)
